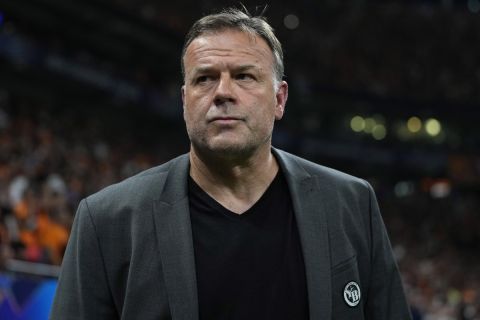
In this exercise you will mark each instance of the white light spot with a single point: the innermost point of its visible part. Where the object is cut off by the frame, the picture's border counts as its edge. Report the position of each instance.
(440, 189)
(379, 132)
(291, 21)
(433, 127)
(357, 124)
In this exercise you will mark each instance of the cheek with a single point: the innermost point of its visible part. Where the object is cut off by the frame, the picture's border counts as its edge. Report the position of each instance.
(262, 119)
(195, 115)
(194, 108)
(269, 111)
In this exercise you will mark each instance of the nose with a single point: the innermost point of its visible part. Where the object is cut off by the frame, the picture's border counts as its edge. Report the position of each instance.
(224, 91)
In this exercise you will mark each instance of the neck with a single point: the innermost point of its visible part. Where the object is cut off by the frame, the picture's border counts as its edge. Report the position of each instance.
(235, 183)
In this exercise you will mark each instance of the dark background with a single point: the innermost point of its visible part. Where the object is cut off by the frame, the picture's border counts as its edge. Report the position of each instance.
(90, 94)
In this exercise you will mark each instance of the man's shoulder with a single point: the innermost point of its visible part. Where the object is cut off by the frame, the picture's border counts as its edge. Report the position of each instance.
(145, 185)
(323, 173)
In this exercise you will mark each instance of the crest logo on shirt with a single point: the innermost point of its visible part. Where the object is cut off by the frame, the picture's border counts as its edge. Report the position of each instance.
(352, 294)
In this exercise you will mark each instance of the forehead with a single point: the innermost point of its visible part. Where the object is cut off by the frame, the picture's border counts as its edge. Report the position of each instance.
(227, 45)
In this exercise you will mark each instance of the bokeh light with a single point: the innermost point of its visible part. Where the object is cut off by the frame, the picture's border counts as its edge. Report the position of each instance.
(291, 21)
(357, 123)
(433, 127)
(414, 124)
(379, 132)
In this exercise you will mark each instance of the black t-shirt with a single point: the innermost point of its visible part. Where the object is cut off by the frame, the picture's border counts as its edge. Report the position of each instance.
(249, 266)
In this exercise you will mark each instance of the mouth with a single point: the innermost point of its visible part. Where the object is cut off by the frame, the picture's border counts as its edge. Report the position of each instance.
(225, 120)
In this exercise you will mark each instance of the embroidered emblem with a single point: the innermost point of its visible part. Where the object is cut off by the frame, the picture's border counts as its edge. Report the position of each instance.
(352, 294)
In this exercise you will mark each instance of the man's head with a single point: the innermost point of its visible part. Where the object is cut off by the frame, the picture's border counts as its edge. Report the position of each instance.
(232, 92)
(234, 19)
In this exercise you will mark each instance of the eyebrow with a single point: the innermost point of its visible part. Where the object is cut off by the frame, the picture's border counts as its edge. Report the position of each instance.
(241, 68)
(246, 67)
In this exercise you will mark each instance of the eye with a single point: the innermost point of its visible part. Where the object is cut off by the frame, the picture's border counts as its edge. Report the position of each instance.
(245, 76)
(203, 79)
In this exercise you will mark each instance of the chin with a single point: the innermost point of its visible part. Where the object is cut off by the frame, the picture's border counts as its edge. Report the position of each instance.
(228, 150)
(231, 149)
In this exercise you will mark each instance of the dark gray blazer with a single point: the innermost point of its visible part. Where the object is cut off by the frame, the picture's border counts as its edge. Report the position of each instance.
(130, 253)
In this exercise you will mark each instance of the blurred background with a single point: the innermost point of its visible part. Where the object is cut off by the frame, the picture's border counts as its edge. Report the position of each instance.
(388, 91)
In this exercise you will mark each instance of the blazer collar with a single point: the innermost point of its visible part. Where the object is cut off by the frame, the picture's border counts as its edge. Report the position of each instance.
(310, 200)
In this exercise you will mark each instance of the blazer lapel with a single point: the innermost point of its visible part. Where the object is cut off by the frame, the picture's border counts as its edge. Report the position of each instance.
(309, 202)
(174, 236)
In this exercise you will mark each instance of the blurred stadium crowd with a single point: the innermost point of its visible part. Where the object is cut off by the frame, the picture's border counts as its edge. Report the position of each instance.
(422, 50)
(53, 152)
(50, 159)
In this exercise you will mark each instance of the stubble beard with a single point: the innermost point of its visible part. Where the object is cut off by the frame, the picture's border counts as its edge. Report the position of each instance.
(234, 152)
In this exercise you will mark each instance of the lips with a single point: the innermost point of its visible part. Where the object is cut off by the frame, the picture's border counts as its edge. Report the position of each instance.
(225, 119)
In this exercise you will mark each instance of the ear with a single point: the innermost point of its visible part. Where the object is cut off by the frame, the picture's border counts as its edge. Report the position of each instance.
(183, 100)
(281, 99)
(183, 95)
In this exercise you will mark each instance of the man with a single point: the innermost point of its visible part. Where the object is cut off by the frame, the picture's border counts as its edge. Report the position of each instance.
(235, 229)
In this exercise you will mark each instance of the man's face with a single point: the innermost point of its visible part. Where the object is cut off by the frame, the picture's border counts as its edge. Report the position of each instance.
(230, 99)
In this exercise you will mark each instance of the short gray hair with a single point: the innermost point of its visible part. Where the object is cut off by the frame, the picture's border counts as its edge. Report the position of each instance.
(236, 19)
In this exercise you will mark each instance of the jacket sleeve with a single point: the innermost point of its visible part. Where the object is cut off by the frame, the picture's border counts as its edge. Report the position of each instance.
(386, 298)
(83, 291)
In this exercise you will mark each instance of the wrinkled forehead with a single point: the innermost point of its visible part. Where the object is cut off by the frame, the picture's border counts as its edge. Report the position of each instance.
(227, 43)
